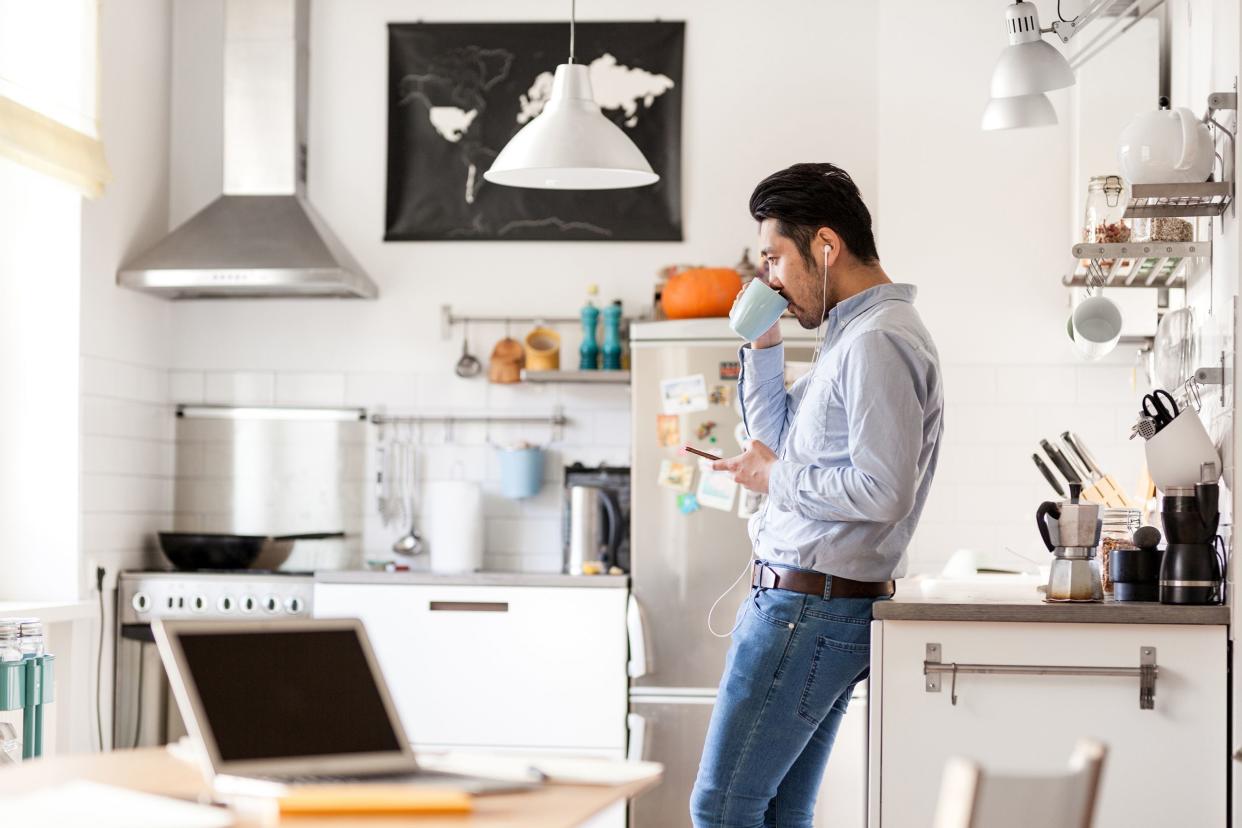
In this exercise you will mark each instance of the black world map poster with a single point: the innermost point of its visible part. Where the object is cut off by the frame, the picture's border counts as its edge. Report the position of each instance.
(457, 92)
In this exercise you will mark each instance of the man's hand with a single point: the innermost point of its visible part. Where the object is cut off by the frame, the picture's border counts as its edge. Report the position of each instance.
(751, 468)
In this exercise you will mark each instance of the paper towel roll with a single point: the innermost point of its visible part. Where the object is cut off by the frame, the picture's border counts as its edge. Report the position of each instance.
(453, 512)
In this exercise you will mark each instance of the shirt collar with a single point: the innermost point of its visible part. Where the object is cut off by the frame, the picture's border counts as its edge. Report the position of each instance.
(847, 310)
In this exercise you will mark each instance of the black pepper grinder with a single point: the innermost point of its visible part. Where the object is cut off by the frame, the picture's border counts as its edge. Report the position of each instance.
(1135, 573)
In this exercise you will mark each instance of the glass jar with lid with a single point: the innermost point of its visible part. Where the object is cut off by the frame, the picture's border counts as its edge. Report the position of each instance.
(10, 637)
(1117, 532)
(31, 641)
(1102, 221)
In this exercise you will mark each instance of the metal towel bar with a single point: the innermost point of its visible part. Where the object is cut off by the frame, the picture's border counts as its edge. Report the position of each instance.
(1146, 673)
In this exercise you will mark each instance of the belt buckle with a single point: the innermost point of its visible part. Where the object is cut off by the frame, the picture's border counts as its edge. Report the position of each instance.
(776, 578)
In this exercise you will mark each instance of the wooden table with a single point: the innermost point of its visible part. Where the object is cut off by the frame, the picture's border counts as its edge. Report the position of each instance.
(154, 770)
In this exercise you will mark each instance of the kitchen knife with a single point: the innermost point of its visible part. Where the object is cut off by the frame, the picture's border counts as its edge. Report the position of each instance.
(1090, 494)
(1113, 494)
(1049, 475)
(1058, 460)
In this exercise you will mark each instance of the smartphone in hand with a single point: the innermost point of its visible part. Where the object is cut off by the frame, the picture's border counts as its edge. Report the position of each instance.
(693, 450)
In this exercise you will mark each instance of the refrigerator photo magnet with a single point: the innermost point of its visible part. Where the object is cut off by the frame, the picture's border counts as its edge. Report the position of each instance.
(749, 503)
(682, 395)
(687, 503)
(716, 489)
(668, 429)
(676, 475)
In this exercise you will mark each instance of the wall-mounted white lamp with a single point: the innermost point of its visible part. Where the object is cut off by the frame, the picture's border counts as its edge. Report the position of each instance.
(1030, 67)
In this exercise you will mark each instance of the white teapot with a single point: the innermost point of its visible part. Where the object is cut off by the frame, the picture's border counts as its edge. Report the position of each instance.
(1166, 146)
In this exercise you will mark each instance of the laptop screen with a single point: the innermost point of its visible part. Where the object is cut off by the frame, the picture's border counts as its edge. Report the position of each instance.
(287, 694)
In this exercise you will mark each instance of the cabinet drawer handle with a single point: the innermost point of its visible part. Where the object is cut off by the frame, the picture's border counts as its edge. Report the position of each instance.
(1146, 672)
(469, 606)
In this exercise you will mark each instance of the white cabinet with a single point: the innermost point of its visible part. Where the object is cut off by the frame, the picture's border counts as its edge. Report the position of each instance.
(497, 666)
(842, 801)
(1166, 766)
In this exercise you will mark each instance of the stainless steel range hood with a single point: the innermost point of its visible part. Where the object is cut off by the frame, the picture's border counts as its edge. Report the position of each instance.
(261, 238)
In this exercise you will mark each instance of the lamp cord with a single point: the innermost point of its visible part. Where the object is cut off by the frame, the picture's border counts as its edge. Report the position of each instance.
(572, 16)
(1063, 20)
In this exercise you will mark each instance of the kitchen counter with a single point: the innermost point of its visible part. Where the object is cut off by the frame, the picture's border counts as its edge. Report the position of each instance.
(1016, 599)
(525, 579)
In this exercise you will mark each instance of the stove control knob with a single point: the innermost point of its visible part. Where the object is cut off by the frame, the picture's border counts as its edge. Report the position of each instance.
(199, 603)
(225, 603)
(294, 605)
(271, 603)
(248, 604)
(140, 602)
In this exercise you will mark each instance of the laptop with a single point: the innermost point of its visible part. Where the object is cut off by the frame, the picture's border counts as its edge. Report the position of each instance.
(282, 703)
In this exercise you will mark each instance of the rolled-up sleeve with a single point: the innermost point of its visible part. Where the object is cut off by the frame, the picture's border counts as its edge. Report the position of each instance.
(884, 391)
(761, 388)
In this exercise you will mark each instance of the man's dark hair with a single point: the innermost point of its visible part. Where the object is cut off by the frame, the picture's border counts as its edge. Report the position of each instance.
(806, 197)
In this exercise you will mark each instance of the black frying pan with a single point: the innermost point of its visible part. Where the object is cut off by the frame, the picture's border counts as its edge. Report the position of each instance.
(189, 551)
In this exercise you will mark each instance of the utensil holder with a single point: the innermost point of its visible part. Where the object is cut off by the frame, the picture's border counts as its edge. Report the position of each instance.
(1177, 453)
(26, 685)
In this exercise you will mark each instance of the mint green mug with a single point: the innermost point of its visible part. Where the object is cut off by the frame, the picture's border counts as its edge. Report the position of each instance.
(756, 310)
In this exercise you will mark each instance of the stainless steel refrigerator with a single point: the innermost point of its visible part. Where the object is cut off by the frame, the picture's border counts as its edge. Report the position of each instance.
(681, 562)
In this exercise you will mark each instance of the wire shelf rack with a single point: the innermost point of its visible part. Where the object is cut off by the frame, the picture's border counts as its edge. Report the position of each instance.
(1210, 198)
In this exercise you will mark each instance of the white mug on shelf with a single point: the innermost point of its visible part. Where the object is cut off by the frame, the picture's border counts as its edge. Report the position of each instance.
(1095, 326)
(1177, 454)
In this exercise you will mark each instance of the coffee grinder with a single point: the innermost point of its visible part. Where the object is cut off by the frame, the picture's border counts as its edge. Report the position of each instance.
(1192, 571)
(1072, 537)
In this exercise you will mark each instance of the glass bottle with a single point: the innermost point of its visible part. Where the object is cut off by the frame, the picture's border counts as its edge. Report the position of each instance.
(1117, 532)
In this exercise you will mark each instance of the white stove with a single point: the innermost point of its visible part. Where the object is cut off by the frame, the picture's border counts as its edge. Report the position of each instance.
(239, 595)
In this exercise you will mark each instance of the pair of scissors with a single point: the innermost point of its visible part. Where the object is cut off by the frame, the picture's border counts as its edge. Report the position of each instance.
(1161, 414)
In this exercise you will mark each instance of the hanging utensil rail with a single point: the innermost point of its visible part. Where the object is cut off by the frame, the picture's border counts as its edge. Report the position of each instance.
(556, 418)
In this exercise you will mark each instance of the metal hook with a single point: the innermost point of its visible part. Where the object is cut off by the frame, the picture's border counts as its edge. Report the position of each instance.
(953, 686)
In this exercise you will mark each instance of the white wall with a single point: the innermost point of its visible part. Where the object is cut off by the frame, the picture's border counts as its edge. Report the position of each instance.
(126, 421)
(736, 127)
(977, 220)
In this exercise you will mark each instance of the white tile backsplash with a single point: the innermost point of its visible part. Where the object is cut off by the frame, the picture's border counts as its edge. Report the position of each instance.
(313, 389)
(241, 388)
(984, 496)
(187, 386)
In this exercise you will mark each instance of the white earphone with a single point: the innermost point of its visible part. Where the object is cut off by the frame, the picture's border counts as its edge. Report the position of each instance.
(823, 300)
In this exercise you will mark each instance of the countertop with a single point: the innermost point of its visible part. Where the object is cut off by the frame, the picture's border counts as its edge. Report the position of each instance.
(524, 579)
(1005, 598)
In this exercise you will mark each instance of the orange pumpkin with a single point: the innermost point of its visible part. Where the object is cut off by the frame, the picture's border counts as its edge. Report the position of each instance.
(700, 291)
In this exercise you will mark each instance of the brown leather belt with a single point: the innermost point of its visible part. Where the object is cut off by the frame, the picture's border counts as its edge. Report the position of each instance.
(769, 576)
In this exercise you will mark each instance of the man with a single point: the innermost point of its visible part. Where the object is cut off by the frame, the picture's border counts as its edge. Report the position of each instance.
(846, 459)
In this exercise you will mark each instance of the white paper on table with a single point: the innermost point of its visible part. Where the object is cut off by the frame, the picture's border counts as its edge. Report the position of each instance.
(106, 806)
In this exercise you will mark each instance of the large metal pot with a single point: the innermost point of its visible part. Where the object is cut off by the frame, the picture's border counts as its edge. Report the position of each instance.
(189, 551)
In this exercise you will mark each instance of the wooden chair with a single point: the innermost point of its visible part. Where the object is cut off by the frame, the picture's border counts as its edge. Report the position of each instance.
(973, 798)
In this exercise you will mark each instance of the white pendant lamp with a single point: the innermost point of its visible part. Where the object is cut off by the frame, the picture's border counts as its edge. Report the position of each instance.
(1029, 65)
(571, 145)
(1018, 112)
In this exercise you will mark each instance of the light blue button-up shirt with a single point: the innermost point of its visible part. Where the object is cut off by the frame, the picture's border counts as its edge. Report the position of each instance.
(856, 439)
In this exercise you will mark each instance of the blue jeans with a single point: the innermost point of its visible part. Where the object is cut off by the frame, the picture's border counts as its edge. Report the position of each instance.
(787, 680)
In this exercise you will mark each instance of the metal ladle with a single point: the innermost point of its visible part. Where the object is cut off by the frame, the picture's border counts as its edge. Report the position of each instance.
(411, 543)
(468, 365)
